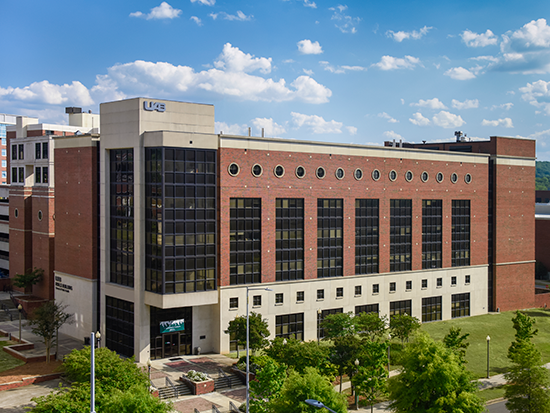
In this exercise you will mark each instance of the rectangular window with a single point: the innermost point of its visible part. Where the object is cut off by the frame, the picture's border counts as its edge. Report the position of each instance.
(431, 309)
(44, 150)
(257, 300)
(330, 236)
(392, 287)
(38, 150)
(320, 294)
(300, 296)
(14, 174)
(38, 175)
(45, 175)
(4, 141)
(4, 163)
(3, 152)
(376, 288)
(4, 174)
(461, 233)
(460, 305)
(400, 234)
(357, 290)
(21, 151)
(13, 152)
(424, 284)
(467, 279)
(279, 298)
(440, 282)
(339, 292)
(400, 307)
(432, 244)
(234, 302)
(245, 240)
(289, 239)
(22, 175)
(408, 285)
(366, 236)
(368, 308)
(453, 281)
(119, 326)
(290, 326)
(321, 318)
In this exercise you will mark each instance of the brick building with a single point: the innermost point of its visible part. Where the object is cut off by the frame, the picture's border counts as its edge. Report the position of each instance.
(177, 222)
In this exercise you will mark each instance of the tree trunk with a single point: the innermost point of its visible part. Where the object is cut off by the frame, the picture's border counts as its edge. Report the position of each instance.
(340, 383)
(47, 343)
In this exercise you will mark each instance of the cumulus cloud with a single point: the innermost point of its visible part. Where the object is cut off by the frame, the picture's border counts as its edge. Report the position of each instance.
(505, 106)
(227, 129)
(392, 135)
(271, 128)
(45, 92)
(400, 36)
(478, 40)
(345, 23)
(205, 2)
(311, 4)
(233, 59)
(447, 120)
(467, 104)
(308, 47)
(459, 73)
(352, 130)
(308, 72)
(537, 94)
(388, 117)
(392, 63)
(164, 11)
(419, 120)
(506, 122)
(316, 124)
(196, 20)
(240, 16)
(434, 103)
(485, 58)
(340, 69)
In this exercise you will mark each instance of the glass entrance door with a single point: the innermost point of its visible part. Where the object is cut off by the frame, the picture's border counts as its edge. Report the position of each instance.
(171, 344)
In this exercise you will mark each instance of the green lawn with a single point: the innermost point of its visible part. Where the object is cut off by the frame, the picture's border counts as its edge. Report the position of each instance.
(6, 361)
(499, 327)
(491, 394)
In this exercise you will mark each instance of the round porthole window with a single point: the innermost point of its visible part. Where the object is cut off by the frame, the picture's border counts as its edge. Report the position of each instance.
(392, 175)
(468, 178)
(16, 213)
(376, 174)
(454, 178)
(340, 173)
(279, 171)
(257, 170)
(358, 174)
(233, 169)
(439, 177)
(40, 215)
(425, 176)
(300, 172)
(320, 172)
(409, 176)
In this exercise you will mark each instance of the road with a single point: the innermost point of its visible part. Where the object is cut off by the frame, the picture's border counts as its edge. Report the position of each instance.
(498, 407)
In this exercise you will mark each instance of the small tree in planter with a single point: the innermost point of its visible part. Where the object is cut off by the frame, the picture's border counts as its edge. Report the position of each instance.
(197, 376)
(27, 280)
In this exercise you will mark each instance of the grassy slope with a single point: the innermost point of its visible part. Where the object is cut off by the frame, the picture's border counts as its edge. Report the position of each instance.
(6, 361)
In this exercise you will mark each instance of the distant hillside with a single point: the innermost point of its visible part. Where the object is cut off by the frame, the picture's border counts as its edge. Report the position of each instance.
(542, 180)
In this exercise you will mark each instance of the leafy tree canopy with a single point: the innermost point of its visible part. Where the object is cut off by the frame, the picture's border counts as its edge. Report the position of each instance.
(28, 279)
(371, 325)
(338, 325)
(456, 341)
(258, 331)
(403, 326)
(267, 386)
(371, 378)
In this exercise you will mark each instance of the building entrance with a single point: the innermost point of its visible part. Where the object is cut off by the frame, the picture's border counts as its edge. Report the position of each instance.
(165, 342)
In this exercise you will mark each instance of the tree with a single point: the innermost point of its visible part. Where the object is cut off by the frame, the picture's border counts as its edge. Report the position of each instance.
(403, 326)
(432, 379)
(527, 379)
(343, 354)
(258, 331)
(456, 342)
(46, 320)
(371, 325)
(311, 385)
(27, 280)
(267, 386)
(371, 378)
(338, 325)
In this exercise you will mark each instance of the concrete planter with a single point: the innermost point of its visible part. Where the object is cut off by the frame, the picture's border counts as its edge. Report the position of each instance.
(199, 387)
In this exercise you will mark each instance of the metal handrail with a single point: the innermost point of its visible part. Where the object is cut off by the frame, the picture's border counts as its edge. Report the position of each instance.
(215, 409)
(225, 377)
(233, 408)
(195, 410)
(169, 382)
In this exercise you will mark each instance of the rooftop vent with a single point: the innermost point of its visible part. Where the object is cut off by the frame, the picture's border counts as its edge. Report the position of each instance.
(73, 109)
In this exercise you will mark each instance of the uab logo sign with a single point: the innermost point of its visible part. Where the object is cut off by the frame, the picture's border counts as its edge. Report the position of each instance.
(151, 106)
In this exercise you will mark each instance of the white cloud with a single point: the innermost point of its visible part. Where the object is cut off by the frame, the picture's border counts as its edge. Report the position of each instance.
(227, 129)
(434, 103)
(392, 135)
(400, 36)
(485, 58)
(311, 4)
(164, 11)
(537, 94)
(240, 16)
(506, 122)
(271, 128)
(352, 130)
(459, 73)
(341, 69)
(419, 120)
(205, 2)
(308, 72)
(447, 120)
(478, 40)
(467, 104)
(345, 23)
(316, 124)
(388, 117)
(196, 20)
(506, 106)
(308, 47)
(234, 60)
(45, 92)
(392, 63)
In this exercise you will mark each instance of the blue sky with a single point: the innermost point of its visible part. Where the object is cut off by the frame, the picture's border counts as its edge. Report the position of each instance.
(352, 72)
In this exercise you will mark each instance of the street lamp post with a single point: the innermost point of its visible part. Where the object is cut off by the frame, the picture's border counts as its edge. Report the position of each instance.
(92, 375)
(98, 339)
(20, 307)
(248, 289)
(356, 395)
(318, 324)
(318, 404)
(488, 340)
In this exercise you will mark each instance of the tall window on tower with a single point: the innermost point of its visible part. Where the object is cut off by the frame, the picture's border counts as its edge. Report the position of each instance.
(431, 233)
(400, 234)
(461, 233)
(289, 241)
(245, 240)
(366, 236)
(330, 235)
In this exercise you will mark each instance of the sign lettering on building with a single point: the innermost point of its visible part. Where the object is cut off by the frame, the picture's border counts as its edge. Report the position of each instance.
(151, 106)
(172, 326)
(59, 285)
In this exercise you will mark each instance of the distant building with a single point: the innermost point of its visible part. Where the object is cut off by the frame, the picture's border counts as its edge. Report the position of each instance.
(5, 121)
